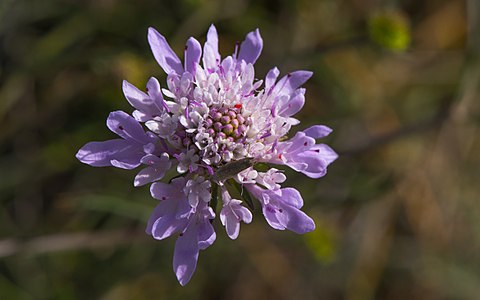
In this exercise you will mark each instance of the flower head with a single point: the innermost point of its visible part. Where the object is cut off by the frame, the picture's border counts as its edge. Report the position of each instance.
(213, 123)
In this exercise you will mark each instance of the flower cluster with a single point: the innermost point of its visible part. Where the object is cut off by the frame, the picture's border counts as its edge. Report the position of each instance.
(220, 128)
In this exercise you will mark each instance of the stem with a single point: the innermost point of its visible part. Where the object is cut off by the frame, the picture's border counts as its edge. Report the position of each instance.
(214, 200)
(247, 198)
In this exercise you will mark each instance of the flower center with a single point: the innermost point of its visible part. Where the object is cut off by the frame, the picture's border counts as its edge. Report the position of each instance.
(221, 136)
(227, 123)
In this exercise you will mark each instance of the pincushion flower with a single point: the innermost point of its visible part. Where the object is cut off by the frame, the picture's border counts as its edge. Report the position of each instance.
(219, 128)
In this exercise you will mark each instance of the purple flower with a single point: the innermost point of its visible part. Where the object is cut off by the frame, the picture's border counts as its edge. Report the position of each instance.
(125, 153)
(172, 213)
(157, 167)
(302, 154)
(198, 235)
(232, 213)
(281, 209)
(212, 123)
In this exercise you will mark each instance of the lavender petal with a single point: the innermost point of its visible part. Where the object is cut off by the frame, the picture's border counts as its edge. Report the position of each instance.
(101, 154)
(127, 127)
(294, 219)
(251, 47)
(193, 53)
(317, 131)
(185, 256)
(163, 53)
(211, 57)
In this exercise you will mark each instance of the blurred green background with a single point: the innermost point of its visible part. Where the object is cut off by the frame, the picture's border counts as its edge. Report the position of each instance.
(398, 214)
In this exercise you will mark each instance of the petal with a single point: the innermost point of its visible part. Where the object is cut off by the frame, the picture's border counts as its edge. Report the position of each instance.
(243, 213)
(270, 213)
(316, 165)
(193, 52)
(294, 219)
(317, 131)
(127, 163)
(294, 104)
(325, 152)
(298, 144)
(206, 235)
(101, 154)
(147, 175)
(170, 217)
(152, 160)
(156, 214)
(271, 77)
(251, 47)
(157, 105)
(290, 82)
(168, 225)
(136, 97)
(232, 226)
(291, 197)
(303, 155)
(209, 60)
(127, 127)
(223, 215)
(297, 79)
(268, 199)
(228, 65)
(317, 159)
(212, 39)
(141, 116)
(185, 256)
(156, 170)
(318, 162)
(280, 209)
(297, 166)
(163, 53)
(163, 191)
(211, 57)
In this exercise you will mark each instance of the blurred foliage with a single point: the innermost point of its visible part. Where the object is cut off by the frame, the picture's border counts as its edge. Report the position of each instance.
(390, 30)
(397, 214)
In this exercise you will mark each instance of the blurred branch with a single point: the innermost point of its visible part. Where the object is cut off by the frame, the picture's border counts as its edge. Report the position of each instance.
(275, 266)
(322, 49)
(473, 16)
(373, 248)
(354, 41)
(411, 129)
(70, 241)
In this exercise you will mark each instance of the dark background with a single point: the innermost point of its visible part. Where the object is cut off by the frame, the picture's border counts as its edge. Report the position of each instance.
(398, 214)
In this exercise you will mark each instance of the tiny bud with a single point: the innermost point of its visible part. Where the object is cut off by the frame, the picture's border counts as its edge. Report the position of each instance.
(209, 122)
(228, 129)
(240, 119)
(225, 120)
(242, 129)
(217, 116)
(217, 126)
(235, 123)
(236, 133)
(232, 114)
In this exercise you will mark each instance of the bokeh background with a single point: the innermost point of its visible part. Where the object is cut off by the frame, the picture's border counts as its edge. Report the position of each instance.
(398, 214)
